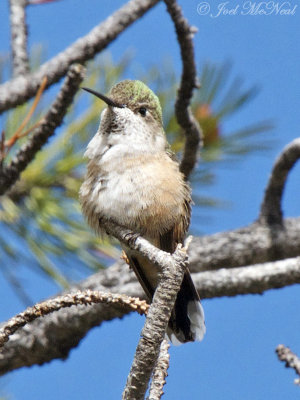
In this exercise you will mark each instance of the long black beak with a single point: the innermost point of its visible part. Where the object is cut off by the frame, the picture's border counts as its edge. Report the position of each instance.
(107, 100)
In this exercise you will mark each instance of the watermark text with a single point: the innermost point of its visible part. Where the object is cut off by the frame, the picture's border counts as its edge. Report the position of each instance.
(226, 8)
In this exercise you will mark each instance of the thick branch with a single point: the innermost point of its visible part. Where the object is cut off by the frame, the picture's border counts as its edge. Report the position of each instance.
(253, 244)
(153, 332)
(19, 37)
(17, 91)
(291, 360)
(10, 173)
(248, 280)
(188, 82)
(271, 212)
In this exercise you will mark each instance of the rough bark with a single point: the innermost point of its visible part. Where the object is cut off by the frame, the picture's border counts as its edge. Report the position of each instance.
(19, 37)
(160, 372)
(253, 244)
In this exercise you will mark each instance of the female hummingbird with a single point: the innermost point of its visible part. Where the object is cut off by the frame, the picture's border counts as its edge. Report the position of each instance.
(133, 179)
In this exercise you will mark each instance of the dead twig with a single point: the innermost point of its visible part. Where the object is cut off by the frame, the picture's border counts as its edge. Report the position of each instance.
(291, 360)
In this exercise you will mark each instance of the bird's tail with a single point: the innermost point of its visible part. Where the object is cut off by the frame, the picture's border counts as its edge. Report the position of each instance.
(187, 320)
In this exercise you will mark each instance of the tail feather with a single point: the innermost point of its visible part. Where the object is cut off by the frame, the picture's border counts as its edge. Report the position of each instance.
(187, 320)
(196, 317)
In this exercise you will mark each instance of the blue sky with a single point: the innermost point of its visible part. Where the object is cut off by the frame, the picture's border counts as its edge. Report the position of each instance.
(236, 360)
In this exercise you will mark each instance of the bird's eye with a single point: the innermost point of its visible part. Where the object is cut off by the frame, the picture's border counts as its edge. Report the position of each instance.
(143, 111)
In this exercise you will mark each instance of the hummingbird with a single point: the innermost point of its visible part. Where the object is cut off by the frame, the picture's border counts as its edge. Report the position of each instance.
(134, 180)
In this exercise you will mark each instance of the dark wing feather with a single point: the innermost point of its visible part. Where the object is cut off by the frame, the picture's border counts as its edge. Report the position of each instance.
(138, 268)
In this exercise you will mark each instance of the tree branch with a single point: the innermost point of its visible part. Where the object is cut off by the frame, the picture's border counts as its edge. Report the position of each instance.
(18, 90)
(270, 212)
(81, 298)
(10, 173)
(55, 335)
(291, 360)
(248, 280)
(253, 244)
(160, 372)
(19, 37)
(153, 332)
(188, 83)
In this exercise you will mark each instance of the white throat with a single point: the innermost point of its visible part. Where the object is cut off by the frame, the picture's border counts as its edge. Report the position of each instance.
(122, 131)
